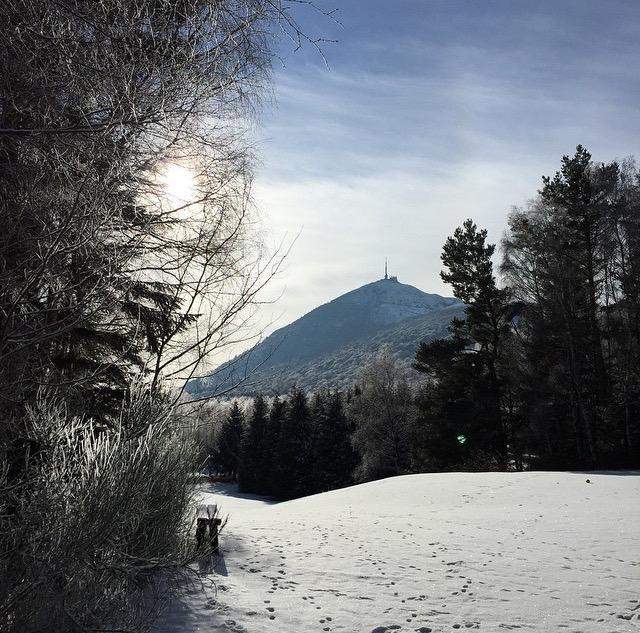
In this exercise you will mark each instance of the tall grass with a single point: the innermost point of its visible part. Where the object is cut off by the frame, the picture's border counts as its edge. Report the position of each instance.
(96, 521)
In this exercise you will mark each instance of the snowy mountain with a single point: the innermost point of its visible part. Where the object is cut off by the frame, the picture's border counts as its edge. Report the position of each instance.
(327, 345)
(433, 553)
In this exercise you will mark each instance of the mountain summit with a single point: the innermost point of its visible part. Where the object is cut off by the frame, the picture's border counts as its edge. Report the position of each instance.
(361, 317)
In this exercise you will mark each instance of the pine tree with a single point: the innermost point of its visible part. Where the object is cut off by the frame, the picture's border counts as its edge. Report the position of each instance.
(624, 314)
(229, 442)
(293, 453)
(577, 200)
(273, 462)
(463, 408)
(569, 259)
(544, 378)
(253, 472)
(334, 459)
(447, 410)
(336, 450)
(319, 429)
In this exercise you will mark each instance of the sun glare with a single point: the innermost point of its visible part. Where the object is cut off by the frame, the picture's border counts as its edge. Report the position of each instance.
(179, 184)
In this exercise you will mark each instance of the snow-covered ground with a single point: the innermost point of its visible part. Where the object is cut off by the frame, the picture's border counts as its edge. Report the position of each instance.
(437, 552)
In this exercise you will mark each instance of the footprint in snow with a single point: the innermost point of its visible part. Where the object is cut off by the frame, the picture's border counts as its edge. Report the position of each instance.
(625, 616)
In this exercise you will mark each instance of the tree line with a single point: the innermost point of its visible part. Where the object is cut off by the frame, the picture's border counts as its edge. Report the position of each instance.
(306, 443)
(542, 372)
(290, 447)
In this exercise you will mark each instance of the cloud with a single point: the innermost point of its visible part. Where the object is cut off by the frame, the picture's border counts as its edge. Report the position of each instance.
(349, 225)
(430, 116)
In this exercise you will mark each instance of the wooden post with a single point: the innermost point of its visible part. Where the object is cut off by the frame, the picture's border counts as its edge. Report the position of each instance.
(206, 517)
(213, 533)
(214, 522)
(202, 522)
(201, 529)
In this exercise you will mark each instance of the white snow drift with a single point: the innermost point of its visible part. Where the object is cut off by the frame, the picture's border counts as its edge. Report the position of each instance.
(438, 552)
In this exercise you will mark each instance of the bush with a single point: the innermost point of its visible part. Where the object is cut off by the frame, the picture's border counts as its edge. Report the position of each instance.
(95, 516)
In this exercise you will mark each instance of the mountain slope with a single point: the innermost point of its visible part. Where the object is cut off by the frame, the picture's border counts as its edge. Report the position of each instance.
(327, 345)
(341, 366)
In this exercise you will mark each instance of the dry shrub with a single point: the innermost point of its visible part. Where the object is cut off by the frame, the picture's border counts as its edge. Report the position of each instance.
(100, 519)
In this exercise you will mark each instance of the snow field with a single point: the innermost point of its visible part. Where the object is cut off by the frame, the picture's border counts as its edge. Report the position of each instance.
(427, 554)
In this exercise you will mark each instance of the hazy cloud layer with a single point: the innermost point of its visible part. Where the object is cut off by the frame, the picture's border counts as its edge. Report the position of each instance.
(431, 112)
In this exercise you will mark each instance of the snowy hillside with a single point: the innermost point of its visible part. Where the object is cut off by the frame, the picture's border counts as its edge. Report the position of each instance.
(387, 301)
(428, 553)
(289, 356)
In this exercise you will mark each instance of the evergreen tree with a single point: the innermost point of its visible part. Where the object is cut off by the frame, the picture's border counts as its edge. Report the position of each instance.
(463, 407)
(623, 311)
(446, 405)
(293, 452)
(335, 448)
(229, 442)
(319, 426)
(544, 378)
(571, 260)
(253, 471)
(273, 462)
(578, 218)
(334, 458)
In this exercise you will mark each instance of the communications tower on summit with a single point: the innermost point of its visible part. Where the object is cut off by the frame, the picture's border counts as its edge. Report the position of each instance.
(386, 272)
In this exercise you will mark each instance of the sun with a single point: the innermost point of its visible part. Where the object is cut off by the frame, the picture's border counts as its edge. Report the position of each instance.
(179, 184)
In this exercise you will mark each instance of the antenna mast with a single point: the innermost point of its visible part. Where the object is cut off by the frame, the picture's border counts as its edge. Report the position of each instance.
(386, 275)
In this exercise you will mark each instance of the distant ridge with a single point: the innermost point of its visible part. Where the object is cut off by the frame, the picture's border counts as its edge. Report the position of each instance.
(328, 344)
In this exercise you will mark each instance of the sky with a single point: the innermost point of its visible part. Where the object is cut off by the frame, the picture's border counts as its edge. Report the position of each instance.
(424, 113)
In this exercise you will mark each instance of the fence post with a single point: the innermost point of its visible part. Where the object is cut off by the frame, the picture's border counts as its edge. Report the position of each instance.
(207, 518)
(214, 522)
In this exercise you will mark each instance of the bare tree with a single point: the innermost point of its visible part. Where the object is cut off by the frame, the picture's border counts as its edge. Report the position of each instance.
(127, 253)
(385, 419)
(125, 187)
